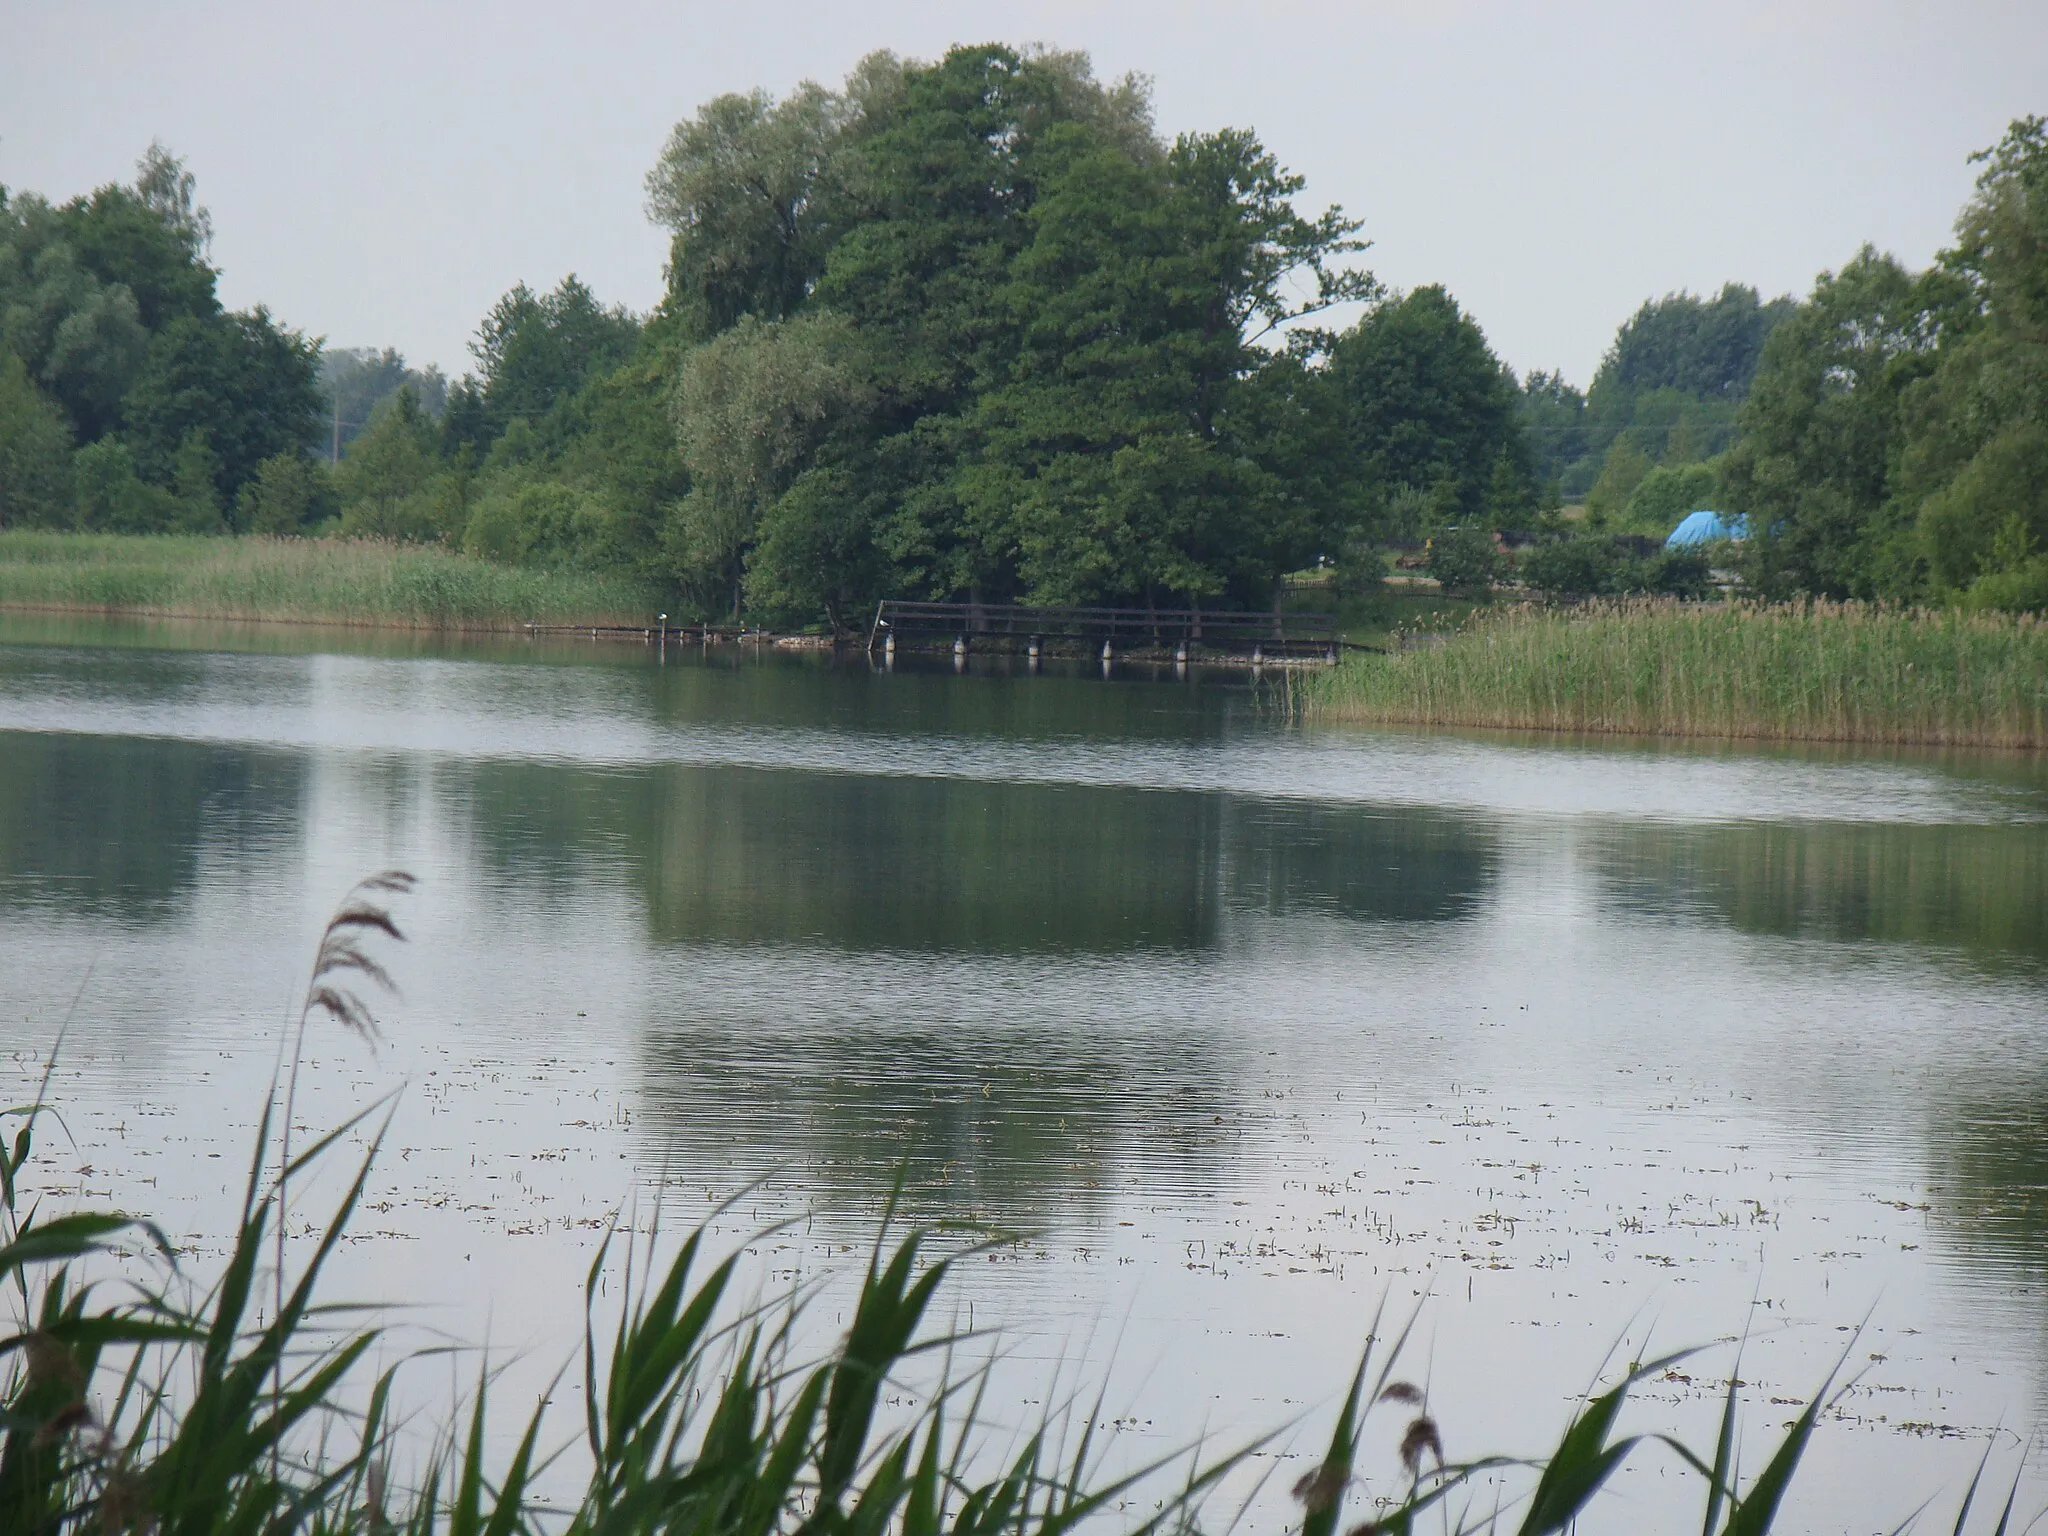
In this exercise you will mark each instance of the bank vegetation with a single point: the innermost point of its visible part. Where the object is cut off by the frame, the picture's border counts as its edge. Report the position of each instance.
(1805, 671)
(325, 581)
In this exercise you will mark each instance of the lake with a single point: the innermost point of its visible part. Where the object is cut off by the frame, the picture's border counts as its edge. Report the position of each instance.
(1582, 1048)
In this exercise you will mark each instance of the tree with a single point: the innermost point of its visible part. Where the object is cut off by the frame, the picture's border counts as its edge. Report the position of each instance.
(1667, 493)
(1463, 559)
(1554, 426)
(249, 384)
(744, 187)
(1822, 431)
(1707, 348)
(750, 408)
(108, 496)
(389, 474)
(150, 238)
(288, 495)
(1975, 430)
(35, 451)
(356, 380)
(537, 350)
(81, 339)
(1425, 402)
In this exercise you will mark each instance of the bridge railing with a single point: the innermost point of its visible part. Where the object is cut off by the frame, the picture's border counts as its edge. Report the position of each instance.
(1219, 629)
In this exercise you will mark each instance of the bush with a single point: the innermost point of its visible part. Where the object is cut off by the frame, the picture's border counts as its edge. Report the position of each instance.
(1592, 565)
(2021, 589)
(543, 522)
(1463, 559)
(288, 495)
(109, 497)
(1660, 503)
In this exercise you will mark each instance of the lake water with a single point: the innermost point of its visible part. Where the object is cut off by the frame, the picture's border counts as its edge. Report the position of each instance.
(1247, 1027)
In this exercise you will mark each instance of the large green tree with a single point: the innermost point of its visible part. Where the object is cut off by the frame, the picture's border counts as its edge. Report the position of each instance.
(1053, 371)
(535, 351)
(1427, 408)
(1822, 430)
(249, 386)
(1973, 468)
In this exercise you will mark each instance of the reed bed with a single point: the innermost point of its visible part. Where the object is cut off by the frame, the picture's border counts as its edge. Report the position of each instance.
(327, 581)
(1843, 672)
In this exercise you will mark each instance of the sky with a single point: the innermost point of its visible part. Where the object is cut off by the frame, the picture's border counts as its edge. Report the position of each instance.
(379, 173)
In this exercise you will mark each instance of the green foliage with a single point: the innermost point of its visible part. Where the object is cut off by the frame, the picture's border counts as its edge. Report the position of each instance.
(969, 327)
(1992, 516)
(972, 328)
(354, 381)
(249, 385)
(1426, 404)
(1463, 559)
(544, 522)
(1823, 430)
(1897, 426)
(747, 188)
(751, 408)
(81, 339)
(537, 350)
(108, 496)
(288, 495)
(392, 481)
(1553, 416)
(35, 451)
(1593, 565)
(1706, 348)
(1678, 371)
(1625, 467)
(1663, 497)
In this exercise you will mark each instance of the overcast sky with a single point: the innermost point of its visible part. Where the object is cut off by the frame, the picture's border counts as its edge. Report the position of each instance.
(380, 172)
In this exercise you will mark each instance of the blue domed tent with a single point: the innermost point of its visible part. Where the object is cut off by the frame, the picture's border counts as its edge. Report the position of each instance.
(1708, 528)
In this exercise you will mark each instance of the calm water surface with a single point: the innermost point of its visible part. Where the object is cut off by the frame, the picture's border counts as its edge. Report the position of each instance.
(1247, 1026)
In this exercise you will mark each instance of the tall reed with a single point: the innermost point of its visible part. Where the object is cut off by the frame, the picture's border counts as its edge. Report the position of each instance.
(307, 580)
(1846, 672)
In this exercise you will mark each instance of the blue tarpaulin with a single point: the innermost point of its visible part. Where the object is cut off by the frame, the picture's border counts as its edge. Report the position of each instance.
(1707, 528)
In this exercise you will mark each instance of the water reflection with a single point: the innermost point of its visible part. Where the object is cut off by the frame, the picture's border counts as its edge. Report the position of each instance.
(1017, 1127)
(119, 829)
(1980, 892)
(731, 855)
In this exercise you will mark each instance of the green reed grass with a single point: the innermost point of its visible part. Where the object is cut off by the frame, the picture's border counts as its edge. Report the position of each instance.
(1845, 672)
(305, 580)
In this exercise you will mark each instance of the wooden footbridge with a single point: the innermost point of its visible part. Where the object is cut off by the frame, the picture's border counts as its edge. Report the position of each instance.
(1185, 635)
(1179, 634)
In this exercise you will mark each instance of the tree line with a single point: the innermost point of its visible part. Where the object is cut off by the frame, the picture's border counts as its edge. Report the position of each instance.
(974, 329)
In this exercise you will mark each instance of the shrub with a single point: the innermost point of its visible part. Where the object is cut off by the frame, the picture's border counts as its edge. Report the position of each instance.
(1660, 503)
(1590, 565)
(288, 494)
(1463, 559)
